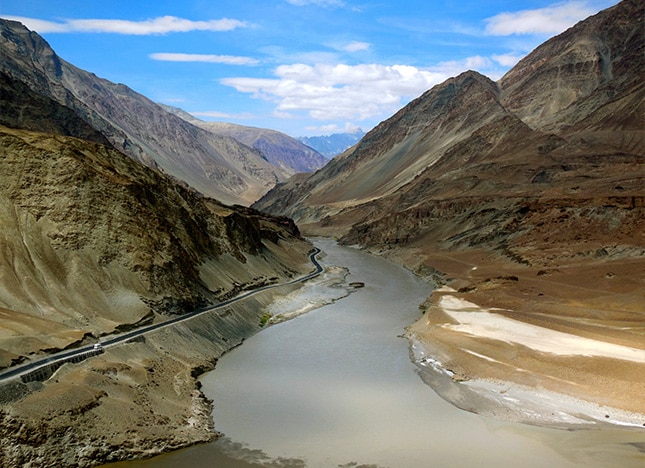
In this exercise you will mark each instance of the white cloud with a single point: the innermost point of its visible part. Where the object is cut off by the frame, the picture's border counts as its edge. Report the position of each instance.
(476, 62)
(161, 25)
(225, 59)
(549, 20)
(351, 128)
(38, 25)
(356, 46)
(455, 67)
(333, 128)
(330, 92)
(324, 129)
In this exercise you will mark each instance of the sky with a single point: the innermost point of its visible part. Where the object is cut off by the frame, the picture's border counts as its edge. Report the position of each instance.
(302, 67)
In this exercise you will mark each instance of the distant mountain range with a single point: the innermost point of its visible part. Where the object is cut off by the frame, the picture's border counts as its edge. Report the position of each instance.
(285, 152)
(332, 145)
(215, 164)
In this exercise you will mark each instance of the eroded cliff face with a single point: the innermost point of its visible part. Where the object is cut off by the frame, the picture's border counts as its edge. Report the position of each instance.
(596, 62)
(92, 241)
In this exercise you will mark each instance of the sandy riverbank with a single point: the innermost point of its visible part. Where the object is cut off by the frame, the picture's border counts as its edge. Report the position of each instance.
(326, 289)
(492, 362)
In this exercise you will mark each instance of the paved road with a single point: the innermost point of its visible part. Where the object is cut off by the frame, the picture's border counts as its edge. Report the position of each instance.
(65, 356)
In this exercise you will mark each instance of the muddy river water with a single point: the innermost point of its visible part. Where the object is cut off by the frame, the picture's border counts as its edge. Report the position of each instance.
(336, 387)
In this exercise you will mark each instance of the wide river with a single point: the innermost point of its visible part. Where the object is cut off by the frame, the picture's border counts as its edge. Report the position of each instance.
(336, 387)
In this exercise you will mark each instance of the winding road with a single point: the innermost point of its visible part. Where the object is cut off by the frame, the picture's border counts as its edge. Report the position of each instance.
(90, 350)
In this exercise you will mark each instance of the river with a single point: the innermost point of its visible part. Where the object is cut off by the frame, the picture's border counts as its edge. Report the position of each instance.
(336, 387)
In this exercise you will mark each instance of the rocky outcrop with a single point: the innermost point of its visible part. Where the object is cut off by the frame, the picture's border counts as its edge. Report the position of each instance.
(23, 108)
(573, 75)
(217, 166)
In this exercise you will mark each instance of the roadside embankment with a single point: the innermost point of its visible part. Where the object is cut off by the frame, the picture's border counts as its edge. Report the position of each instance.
(133, 401)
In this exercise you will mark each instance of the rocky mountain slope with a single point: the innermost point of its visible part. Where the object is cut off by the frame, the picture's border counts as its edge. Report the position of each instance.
(217, 166)
(527, 193)
(332, 145)
(92, 241)
(575, 138)
(281, 150)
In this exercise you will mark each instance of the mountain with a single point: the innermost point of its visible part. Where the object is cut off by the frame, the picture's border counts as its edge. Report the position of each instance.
(93, 244)
(93, 241)
(280, 149)
(215, 165)
(527, 195)
(332, 145)
(565, 125)
(286, 153)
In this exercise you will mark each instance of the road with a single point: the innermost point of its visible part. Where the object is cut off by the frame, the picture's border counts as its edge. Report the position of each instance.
(88, 351)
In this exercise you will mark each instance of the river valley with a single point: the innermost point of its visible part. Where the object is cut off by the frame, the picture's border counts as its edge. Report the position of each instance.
(336, 387)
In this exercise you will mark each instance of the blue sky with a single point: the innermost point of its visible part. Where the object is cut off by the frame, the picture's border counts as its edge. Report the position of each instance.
(303, 67)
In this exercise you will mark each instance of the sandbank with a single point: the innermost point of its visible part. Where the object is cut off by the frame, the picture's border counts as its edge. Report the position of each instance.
(502, 367)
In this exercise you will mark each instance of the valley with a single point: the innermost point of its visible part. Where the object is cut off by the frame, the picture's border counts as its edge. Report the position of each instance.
(517, 204)
(345, 368)
(533, 213)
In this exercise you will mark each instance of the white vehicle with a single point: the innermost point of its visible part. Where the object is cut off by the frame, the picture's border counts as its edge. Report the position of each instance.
(98, 347)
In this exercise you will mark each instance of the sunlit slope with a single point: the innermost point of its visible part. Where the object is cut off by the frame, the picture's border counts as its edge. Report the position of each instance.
(473, 147)
(281, 150)
(216, 165)
(91, 241)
